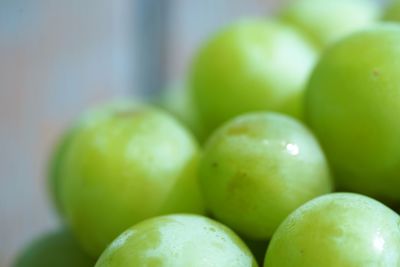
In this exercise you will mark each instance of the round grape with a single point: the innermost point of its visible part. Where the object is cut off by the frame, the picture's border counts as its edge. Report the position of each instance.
(177, 241)
(257, 168)
(126, 164)
(353, 105)
(325, 22)
(341, 229)
(54, 249)
(250, 66)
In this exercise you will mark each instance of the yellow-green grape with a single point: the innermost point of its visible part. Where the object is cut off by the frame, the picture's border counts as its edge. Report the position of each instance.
(353, 106)
(250, 66)
(341, 229)
(54, 249)
(326, 21)
(177, 241)
(126, 164)
(393, 12)
(257, 168)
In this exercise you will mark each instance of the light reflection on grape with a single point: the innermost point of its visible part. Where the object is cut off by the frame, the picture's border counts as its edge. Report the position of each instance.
(292, 149)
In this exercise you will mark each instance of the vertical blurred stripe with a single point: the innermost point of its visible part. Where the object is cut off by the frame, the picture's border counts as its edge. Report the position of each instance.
(151, 19)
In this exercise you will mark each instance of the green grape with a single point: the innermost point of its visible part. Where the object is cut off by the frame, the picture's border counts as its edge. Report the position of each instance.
(353, 104)
(250, 66)
(341, 229)
(126, 164)
(177, 241)
(393, 12)
(325, 22)
(54, 249)
(258, 168)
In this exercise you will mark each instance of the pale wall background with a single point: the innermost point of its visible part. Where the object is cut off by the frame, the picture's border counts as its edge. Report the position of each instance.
(58, 57)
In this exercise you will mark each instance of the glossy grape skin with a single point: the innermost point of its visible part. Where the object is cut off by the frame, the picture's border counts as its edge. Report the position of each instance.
(341, 229)
(325, 22)
(258, 168)
(178, 241)
(250, 66)
(57, 157)
(393, 12)
(352, 105)
(125, 165)
(54, 249)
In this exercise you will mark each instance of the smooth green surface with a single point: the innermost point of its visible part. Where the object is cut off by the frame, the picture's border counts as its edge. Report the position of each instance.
(326, 21)
(126, 164)
(342, 229)
(250, 66)
(393, 12)
(353, 106)
(57, 249)
(258, 168)
(177, 241)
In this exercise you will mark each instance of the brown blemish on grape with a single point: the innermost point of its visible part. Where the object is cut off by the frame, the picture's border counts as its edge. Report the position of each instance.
(239, 130)
(238, 184)
(215, 165)
(242, 174)
(376, 73)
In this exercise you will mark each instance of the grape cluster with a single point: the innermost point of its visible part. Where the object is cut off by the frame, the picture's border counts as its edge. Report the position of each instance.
(284, 151)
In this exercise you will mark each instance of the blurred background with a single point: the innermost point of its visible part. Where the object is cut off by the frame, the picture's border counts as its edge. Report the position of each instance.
(59, 57)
